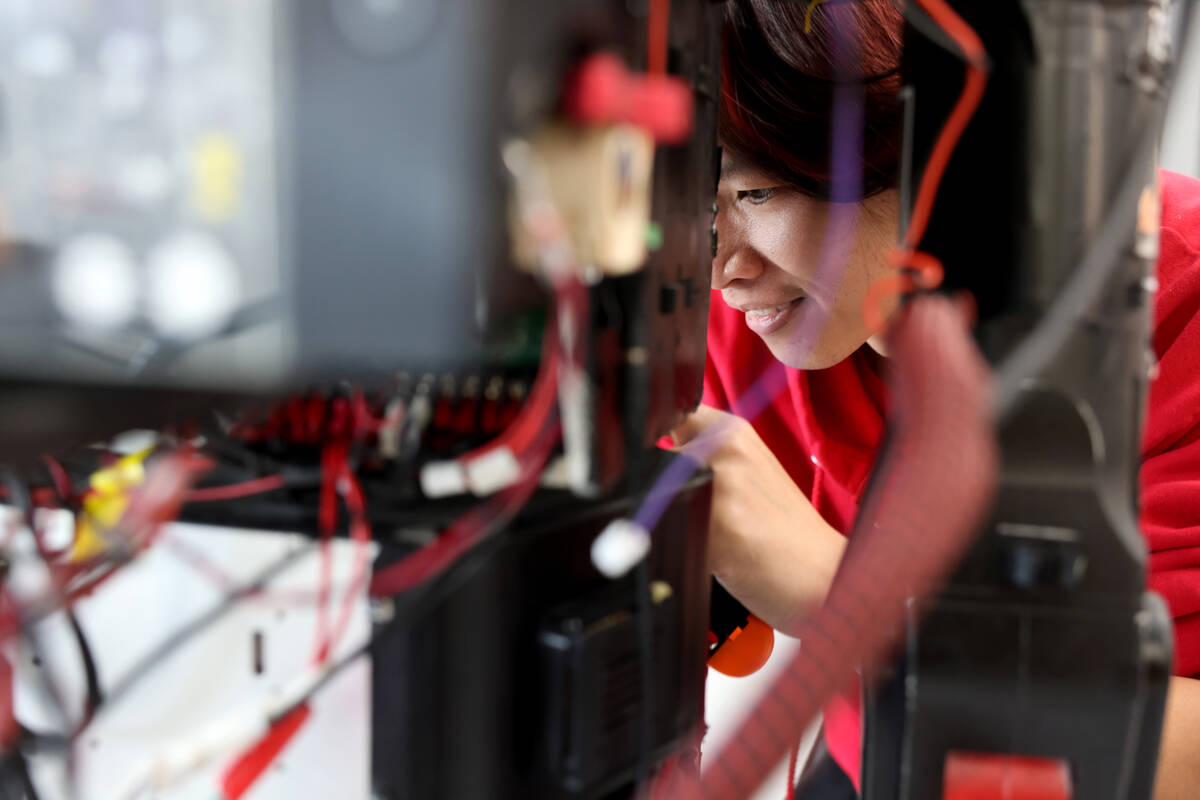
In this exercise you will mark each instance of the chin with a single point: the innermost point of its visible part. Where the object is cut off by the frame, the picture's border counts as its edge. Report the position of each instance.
(823, 356)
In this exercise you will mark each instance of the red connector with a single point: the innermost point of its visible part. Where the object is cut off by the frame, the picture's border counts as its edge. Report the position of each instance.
(604, 92)
(250, 766)
(999, 776)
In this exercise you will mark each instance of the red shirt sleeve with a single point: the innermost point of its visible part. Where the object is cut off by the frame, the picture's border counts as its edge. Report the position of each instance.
(1170, 473)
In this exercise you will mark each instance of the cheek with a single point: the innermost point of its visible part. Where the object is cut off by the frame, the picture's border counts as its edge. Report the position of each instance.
(788, 237)
(867, 264)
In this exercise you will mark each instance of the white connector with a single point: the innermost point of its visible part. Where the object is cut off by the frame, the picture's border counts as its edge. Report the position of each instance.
(619, 548)
(443, 479)
(495, 470)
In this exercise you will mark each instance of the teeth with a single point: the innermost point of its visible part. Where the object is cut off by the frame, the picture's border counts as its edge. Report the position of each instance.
(766, 312)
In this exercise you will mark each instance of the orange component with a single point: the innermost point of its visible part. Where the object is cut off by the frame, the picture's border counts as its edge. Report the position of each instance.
(927, 269)
(745, 651)
(999, 776)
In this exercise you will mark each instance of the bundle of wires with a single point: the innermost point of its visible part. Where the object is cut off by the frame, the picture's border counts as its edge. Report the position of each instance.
(508, 468)
(54, 580)
(867, 602)
(513, 462)
(918, 270)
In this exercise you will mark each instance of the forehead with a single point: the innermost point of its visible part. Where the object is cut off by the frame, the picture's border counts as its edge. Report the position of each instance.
(735, 165)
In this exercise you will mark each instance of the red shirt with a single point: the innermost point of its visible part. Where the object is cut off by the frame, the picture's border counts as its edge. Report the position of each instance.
(825, 426)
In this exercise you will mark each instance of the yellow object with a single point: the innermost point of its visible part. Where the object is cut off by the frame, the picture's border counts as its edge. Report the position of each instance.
(660, 591)
(217, 168)
(812, 4)
(106, 503)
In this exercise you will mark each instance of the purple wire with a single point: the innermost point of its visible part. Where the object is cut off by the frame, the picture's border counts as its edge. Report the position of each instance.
(846, 153)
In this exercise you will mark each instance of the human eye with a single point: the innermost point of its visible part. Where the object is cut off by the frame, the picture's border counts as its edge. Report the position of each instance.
(757, 196)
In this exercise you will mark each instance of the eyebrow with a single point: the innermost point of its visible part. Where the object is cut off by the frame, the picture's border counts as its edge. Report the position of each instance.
(732, 165)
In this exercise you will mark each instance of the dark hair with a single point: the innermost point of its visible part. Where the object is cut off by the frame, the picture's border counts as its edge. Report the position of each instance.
(779, 84)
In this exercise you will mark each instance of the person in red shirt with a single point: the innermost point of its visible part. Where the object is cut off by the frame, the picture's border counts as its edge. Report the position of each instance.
(789, 477)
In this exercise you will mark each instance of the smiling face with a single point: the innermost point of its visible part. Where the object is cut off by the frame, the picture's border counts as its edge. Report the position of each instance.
(770, 249)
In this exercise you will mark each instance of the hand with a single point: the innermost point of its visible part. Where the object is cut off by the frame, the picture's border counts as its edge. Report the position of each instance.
(1178, 756)
(767, 544)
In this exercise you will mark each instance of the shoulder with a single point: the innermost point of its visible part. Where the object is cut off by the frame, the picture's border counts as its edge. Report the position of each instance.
(1174, 407)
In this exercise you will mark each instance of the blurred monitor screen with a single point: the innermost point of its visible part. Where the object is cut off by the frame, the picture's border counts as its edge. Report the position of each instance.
(249, 193)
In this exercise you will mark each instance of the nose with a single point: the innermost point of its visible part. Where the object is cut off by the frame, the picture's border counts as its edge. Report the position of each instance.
(736, 259)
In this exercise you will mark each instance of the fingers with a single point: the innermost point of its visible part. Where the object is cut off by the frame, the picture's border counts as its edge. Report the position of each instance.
(968, 308)
(700, 421)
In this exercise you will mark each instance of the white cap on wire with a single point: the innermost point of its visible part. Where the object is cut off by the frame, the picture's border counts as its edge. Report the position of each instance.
(620, 547)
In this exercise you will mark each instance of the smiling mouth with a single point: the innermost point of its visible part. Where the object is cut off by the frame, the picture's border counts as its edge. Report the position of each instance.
(767, 313)
(766, 320)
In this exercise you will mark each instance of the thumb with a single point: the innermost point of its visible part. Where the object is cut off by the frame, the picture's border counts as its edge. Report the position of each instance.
(697, 423)
(968, 308)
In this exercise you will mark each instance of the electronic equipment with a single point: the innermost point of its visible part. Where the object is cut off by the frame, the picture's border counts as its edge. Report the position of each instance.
(245, 197)
(517, 673)
(180, 178)
(1044, 655)
(250, 194)
(295, 238)
(210, 205)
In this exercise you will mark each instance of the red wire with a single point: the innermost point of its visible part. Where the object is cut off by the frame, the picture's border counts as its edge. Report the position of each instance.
(538, 406)
(360, 531)
(42, 496)
(571, 298)
(332, 459)
(927, 270)
(156, 501)
(972, 93)
(340, 479)
(465, 532)
(337, 475)
(10, 625)
(530, 440)
(658, 36)
(62, 481)
(249, 767)
(793, 758)
(212, 494)
(927, 274)
(198, 561)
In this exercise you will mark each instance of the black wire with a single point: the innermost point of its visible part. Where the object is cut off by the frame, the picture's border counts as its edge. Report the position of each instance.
(421, 600)
(27, 784)
(91, 675)
(417, 598)
(917, 17)
(95, 696)
(167, 647)
(407, 607)
(18, 492)
(38, 742)
(15, 781)
(162, 354)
